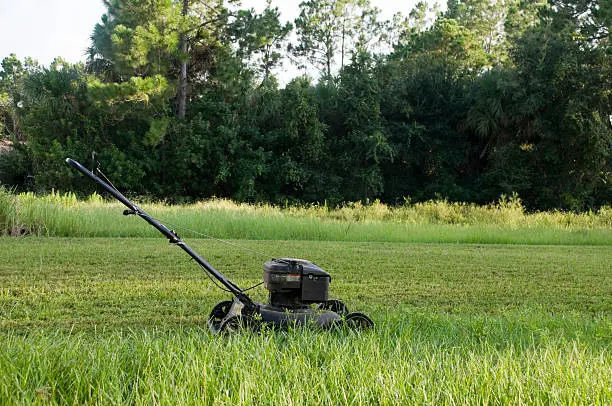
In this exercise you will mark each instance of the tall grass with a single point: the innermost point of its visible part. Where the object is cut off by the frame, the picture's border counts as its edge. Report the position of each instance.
(406, 360)
(435, 221)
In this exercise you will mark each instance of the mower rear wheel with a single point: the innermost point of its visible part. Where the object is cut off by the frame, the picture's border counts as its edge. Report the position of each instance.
(358, 321)
(334, 305)
(238, 323)
(218, 313)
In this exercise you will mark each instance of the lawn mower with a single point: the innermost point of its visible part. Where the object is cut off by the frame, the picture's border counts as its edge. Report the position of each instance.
(297, 288)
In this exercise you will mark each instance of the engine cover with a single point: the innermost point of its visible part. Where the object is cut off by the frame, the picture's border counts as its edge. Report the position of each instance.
(294, 282)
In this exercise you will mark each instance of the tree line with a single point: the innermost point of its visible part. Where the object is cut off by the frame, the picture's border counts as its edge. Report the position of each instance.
(179, 100)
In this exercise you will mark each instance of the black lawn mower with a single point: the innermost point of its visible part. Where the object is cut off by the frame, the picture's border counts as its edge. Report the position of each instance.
(298, 289)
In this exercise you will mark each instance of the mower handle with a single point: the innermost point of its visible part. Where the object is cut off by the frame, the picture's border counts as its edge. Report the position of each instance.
(170, 234)
(116, 194)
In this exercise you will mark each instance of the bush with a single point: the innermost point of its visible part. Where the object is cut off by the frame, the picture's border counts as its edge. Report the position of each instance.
(14, 167)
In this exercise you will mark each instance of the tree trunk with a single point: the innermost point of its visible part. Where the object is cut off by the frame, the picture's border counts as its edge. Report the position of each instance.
(182, 96)
(16, 133)
(342, 55)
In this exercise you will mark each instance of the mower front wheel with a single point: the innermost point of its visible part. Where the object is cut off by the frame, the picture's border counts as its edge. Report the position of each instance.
(218, 313)
(358, 321)
(238, 323)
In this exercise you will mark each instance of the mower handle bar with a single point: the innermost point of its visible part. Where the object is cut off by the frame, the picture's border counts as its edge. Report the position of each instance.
(170, 234)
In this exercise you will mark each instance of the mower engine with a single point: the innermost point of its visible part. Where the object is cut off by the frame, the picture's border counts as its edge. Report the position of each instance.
(295, 283)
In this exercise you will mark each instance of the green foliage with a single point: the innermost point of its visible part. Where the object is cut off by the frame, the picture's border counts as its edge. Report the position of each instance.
(137, 90)
(55, 120)
(136, 38)
(485, 19)
(156, 132)
(261, 36)
(331, 27)
(12, 75)
(549, 118)
(15, 167)
(362, 147)
(425, 99)
(300, 151)
(178, 101)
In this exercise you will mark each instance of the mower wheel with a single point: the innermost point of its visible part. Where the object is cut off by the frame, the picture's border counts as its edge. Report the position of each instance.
(238, 323)
(334, 305)
(358, 321)
(218, 313)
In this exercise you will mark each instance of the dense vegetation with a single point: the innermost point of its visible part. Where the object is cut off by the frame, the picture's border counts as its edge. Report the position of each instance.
(505, 222)
(122, 321)
(178, 100)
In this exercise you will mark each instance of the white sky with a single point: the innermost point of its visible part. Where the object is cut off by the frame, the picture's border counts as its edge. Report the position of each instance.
(45, 29)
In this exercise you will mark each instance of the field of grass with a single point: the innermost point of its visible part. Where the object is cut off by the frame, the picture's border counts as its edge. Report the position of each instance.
(505, 222)
(116, 321)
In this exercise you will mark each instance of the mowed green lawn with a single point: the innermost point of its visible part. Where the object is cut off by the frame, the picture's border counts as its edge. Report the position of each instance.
(115, 321)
